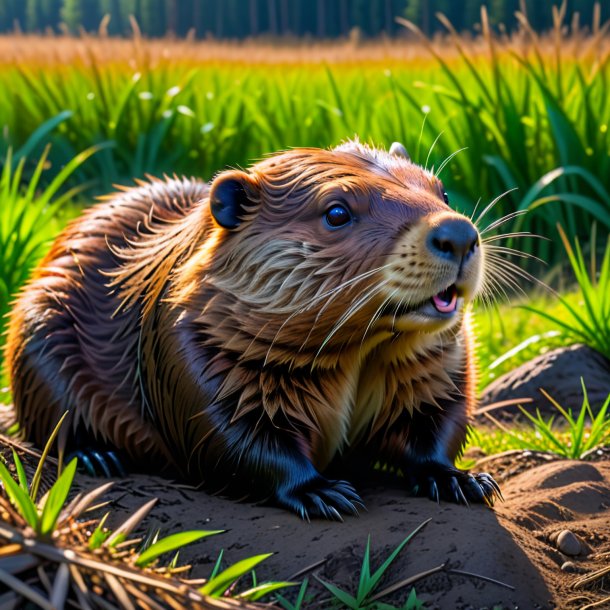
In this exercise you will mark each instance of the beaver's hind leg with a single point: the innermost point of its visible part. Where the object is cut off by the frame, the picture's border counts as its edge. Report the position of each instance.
(51, 374)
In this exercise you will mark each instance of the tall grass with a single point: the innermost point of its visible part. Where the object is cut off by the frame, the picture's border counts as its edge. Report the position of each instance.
(587, 320)
(31, 214)
(525, 112)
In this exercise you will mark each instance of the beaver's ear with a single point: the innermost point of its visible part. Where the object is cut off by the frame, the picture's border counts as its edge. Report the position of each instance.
(399, 150)
(232, 196)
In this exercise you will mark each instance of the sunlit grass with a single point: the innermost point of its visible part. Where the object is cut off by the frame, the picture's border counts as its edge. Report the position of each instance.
(508, 335)
(528, 113)
(566, 433)
(585, 319)
(84, 561)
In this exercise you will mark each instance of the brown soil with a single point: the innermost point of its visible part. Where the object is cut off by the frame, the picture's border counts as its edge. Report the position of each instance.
(510, 544)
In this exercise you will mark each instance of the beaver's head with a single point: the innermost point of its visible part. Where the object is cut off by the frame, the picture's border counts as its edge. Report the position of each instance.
(321, 249)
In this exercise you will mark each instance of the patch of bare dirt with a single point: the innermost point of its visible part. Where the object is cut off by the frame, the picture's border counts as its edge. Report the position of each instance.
(505, 558)
(512, 544)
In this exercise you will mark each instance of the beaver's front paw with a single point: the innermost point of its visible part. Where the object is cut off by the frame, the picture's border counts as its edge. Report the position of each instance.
(440, 482)
(320, 497)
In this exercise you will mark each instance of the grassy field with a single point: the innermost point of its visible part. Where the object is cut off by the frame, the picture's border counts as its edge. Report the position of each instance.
(524, 116)
(494, 114)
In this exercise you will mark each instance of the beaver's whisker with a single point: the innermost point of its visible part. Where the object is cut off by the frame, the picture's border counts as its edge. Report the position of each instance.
(474, 211)
(485, 298)
(494, 285)
(354, 307)
(431, 149)
(319, 315)
(442, 166)
(508, 265)
(504, 219)
(504, 268)
(336, 289)
(376, 315)
(491, 238)
(350, 312)
(490, 205)
(396, 312)
(513, 252)
(526, 275)
(332, 293)
(497, 285)
(504, 277)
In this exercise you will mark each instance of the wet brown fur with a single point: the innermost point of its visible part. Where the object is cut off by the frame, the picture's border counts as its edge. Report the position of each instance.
(161, 331)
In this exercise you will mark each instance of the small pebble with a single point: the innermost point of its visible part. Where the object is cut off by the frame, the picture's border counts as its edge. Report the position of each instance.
(569, 566)
(568, 543)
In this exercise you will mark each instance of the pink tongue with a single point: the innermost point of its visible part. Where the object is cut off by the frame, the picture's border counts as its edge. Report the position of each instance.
(445, 301)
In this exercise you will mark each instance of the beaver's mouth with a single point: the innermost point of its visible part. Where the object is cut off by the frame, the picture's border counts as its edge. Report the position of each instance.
(446, 300)
(444, 304)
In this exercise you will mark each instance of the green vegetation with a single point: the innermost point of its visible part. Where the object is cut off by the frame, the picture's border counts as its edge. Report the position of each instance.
(76, 552)
(31, 215)
(567, 435)
(529, 115)
(367, 595)
(508, 335)
(526, 116)
(588, 320)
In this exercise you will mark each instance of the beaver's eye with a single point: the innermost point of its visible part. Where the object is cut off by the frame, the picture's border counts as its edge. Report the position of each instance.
(445, 197)
(337, 216)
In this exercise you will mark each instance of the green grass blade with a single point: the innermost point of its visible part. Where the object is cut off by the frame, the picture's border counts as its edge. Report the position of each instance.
(344, 597)
(45, 452)
(99, 535)
(171, 543)
(299, 599)
(41, 134)
(19, 497)
(376, 577)
(219, 584)
(23, 480)
(56, 499)
(216, 568)
(259, 591)
(365, 572)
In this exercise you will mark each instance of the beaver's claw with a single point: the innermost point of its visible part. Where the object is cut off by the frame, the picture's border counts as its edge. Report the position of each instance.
(98, 463)
(482, 488)
(439, 482)
(321, 498)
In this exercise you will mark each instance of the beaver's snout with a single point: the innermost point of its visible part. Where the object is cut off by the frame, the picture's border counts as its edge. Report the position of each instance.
(454, 239)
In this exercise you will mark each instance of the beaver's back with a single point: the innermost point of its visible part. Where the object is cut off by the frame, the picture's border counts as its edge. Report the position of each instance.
(71, 346)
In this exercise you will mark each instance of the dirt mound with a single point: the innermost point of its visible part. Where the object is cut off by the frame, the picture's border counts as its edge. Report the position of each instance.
(511, 544)
(554, 372)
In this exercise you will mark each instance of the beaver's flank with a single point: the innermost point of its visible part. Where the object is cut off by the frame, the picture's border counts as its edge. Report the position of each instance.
(250, 333)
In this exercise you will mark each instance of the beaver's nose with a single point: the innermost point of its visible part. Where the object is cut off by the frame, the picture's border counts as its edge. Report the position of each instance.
(453, 239)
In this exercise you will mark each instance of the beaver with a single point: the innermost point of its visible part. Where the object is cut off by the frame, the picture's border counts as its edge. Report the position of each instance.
(253, 333)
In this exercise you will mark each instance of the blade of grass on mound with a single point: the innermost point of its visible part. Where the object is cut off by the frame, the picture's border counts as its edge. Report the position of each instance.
(373, 580)
(298, 603)
(99, 534)
(265, 588)
(217, 586)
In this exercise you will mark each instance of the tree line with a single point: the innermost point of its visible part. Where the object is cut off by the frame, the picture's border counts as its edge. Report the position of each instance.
(244, 18)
